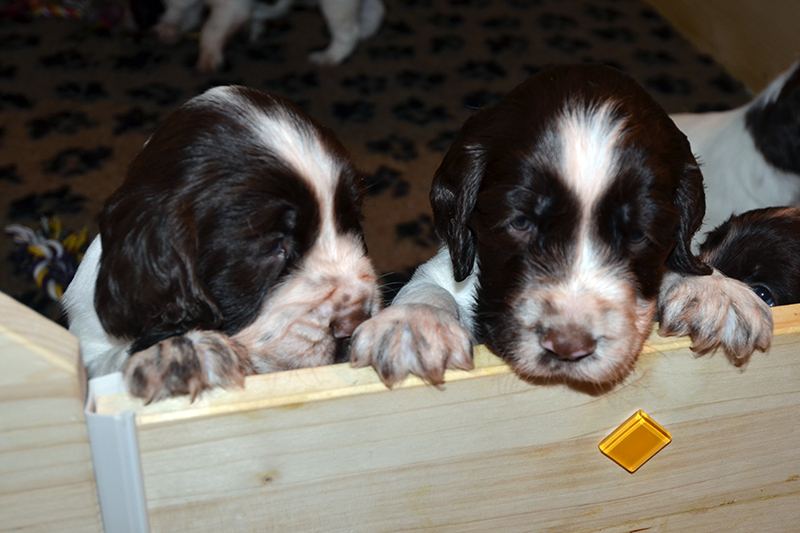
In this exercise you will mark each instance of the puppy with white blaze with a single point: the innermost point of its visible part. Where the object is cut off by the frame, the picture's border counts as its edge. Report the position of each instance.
(749, 156)
(234, 246)
(761, 248)
(567, 212)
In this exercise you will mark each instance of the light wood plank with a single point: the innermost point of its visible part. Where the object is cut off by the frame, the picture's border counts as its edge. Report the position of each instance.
(46, 476)
(329, 450)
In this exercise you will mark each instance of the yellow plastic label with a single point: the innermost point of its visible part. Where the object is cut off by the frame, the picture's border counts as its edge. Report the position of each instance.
(638, 439)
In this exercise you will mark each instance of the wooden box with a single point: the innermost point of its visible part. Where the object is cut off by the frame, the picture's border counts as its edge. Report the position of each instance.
(46, 477)
(331, 449)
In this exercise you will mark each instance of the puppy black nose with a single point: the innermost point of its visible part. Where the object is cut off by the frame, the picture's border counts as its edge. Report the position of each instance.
(569, 343)
(346, 323)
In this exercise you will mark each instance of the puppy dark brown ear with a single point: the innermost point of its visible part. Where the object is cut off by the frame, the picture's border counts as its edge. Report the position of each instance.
(147, 287)
(690, 200)
(454, 192)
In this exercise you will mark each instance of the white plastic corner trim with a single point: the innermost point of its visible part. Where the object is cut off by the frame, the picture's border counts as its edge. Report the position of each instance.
(115, 456)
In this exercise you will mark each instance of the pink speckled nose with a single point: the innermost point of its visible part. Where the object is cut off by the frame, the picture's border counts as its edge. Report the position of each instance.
(569, 343)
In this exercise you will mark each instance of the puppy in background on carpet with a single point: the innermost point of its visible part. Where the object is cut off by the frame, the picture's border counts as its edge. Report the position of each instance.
(749, 156)
(348, 21)
(567, 212)
(233, 246)
(761, 248)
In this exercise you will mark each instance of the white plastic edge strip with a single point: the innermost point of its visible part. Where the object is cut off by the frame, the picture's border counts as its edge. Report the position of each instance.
(115, 456)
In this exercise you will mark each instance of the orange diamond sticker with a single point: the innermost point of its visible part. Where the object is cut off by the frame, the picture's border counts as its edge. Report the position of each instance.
(638, 439)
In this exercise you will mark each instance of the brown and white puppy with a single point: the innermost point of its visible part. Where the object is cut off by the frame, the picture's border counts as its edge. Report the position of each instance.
(233, 246)
(348, 21)
(749, 156)
(567, 212)
(761, 248)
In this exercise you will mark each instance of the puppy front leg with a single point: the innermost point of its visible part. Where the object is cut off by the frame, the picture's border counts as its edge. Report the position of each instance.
(421, 333)
(177, 19)
(342, 18)
(716, 312)
(187, 364)
(370, 18)
(223, 21)
(411, 337)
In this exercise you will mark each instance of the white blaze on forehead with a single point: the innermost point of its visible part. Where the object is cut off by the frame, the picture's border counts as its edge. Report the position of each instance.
(588, 138)
(295, 142)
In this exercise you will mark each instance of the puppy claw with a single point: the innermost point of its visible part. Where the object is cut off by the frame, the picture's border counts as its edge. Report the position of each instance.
(716, 312)
(413, 339)
(186, 365)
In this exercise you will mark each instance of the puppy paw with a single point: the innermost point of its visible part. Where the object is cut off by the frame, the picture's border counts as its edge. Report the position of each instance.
(209, 61)
(187, 364)
(411, 339)
(324, 59)
(339, 50)
(716, 312)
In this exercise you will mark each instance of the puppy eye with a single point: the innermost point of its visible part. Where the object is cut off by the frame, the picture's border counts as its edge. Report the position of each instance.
(765, 294)
(522, 223)
(637, 240)
(275, 248)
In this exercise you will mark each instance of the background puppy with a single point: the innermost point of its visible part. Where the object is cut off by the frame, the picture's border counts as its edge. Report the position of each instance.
(233, 246)
(749, 156)
(349, 21)
(567, 212)
(761, 248)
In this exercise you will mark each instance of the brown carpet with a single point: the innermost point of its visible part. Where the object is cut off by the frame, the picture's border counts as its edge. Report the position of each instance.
(76, 102)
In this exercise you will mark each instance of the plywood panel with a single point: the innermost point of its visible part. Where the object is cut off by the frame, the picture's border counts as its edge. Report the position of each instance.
(330, 449)
(46, 477)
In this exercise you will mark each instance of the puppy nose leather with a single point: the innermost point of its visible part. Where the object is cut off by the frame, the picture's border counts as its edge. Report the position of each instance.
(570, 343)
(344, 325)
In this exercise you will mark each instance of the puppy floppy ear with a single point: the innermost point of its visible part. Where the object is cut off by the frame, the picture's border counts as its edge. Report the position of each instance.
(454, 192)
(690, 200)
(148, 288)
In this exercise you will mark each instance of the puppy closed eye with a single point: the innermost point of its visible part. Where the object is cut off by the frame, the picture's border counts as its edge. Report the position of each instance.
(275, 248)
(278, 244)
(638, 241)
